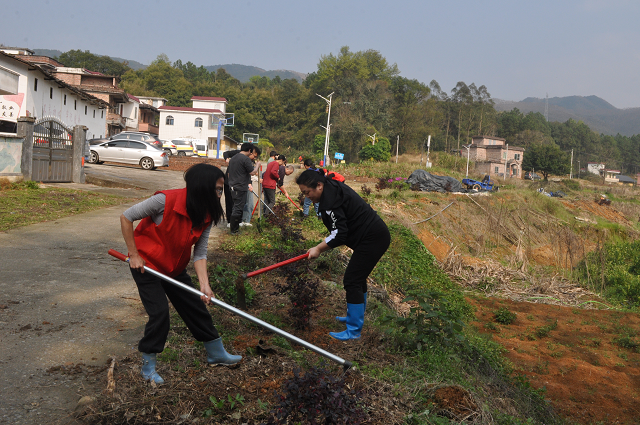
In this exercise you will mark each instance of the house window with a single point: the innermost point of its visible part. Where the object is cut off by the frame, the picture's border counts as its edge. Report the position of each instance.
(75, 105)
(121, 109)
(102, 114)
(135, 112)
(517, 157)
(495, 170)
(85, 109)
(198, 122)
(94, 113)
(504, 155)
(50, 92)
(169, 120)
(65, 99)
(35, 84)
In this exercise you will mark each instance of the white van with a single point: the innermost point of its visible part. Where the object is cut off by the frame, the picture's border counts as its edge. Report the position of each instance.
(200, 147)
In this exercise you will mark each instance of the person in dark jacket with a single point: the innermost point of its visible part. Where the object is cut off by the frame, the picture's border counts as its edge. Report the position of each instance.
(172, 222)
(228, 200)
(240, 169)
(351, 222)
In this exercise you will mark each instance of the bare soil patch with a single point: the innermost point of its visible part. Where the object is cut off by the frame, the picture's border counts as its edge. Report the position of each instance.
(588, 378)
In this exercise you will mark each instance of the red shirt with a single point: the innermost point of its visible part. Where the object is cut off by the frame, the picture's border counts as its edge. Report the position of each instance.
(271, 175)
(167, 247)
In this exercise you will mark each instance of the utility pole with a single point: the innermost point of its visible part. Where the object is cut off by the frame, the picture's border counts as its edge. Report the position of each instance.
(327, 134)
(397, 146)
(428, 164)
(506, 159)
(467, 147)
(571, 169)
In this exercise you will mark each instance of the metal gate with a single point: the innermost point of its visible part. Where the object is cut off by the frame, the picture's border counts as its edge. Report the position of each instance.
(52, 151)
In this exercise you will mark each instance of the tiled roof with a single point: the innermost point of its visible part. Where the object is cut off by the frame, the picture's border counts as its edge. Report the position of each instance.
(219, 99)
(185, 109)
(133, 97)
(94, 72)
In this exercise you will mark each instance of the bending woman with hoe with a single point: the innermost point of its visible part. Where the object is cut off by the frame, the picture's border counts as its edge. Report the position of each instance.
(172, 222)
(351, 222)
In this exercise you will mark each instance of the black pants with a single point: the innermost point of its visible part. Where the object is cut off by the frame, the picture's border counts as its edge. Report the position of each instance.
(269, 199)
(228, 201)
(153, 293)
(364, 258)
(239, 199)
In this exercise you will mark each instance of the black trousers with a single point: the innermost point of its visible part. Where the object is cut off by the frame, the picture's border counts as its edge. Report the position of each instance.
(228, 201)
(269, 199)
(364, 258)
(239, 199)
(153, 293)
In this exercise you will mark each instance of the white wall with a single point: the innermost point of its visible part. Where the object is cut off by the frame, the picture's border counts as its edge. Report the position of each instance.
(184, 125)
(210, 104)
(39, 103)
(131, 111)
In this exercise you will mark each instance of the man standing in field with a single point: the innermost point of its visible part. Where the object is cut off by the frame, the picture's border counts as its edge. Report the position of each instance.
(240, 169)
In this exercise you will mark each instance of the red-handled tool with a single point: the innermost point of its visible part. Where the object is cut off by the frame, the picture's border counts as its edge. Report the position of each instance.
(345, 364)
(275, 266)
(291, 200)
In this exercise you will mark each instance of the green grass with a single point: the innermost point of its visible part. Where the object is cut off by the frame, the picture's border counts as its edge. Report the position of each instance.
(22, 204)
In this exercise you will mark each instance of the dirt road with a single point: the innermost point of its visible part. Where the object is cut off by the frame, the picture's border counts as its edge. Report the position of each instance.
(66, 306)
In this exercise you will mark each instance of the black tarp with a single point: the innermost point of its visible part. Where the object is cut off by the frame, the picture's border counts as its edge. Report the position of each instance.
(426, 182)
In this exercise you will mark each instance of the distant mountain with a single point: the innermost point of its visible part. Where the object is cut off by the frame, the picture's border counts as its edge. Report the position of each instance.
(595, 112)
(55, 53)
(245, 72)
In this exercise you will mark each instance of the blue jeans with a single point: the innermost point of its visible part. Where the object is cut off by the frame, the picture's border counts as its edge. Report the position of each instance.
(307, 204)
(248, 208)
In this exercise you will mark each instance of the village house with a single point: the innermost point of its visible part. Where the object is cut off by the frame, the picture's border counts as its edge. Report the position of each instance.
(596, 168)
(27, 90)
(149, 120)
(198, 122)
(493, 156)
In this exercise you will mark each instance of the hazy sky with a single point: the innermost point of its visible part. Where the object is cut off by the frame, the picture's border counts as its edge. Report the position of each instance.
(515, 48)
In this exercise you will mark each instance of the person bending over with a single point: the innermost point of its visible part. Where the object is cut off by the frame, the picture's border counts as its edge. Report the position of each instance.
(172, 222)
(351, 222)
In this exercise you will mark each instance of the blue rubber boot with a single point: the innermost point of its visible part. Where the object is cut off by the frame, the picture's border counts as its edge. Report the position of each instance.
(216, 354)
(149, 368)
(343, 319)
(355, 320)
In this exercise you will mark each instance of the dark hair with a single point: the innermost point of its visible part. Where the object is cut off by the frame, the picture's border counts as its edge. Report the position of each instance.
(309, 163)
(311, 178)
(202, 199)
(248, 147)
(273, 153)
(281, 157)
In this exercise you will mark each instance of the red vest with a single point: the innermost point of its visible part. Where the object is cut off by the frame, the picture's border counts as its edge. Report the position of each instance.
(167, 247)
(271, 176)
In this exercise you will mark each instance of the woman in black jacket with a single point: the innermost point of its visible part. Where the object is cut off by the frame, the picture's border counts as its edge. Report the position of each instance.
(351, 222)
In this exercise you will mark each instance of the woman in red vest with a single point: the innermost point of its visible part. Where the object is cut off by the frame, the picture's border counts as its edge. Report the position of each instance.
(172, 222)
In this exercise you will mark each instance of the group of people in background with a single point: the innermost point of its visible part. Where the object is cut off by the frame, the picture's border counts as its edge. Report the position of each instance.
(173, 222)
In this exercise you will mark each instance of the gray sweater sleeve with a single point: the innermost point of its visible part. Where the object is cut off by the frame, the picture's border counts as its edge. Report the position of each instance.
(154, 208)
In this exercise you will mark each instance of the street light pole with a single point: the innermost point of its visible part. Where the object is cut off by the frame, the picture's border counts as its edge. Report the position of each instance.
(326, 137)
(468, 147)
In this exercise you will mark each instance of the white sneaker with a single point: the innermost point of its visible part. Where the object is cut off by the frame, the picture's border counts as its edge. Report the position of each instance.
(246, 224)
(228, 224)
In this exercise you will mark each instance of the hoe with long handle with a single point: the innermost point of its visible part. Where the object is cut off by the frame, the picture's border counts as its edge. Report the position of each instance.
(345, 363)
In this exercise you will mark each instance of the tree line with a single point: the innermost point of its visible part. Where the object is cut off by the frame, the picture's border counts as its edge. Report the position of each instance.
(371, 102)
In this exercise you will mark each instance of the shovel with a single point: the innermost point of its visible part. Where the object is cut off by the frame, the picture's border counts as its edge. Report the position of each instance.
(345, 363)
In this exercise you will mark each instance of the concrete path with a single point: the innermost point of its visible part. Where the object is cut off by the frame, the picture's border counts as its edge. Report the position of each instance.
(65, 302)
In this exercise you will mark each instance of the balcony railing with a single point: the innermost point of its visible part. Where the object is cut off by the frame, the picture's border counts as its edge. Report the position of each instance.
(148, 128)
(116, 119)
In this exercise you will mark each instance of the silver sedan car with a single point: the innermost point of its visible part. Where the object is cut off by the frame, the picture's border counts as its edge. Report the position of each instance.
(129, 152)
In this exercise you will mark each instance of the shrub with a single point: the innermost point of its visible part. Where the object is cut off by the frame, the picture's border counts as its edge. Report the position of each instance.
(317, 398)
(504, 316)
(381, 151)
(302, 292)
(432, 320)
(223, 284)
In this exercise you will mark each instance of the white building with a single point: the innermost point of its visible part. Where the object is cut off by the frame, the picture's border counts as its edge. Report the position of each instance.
(27, 90)
(596, 168)
(130, 111)
(198, 122)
